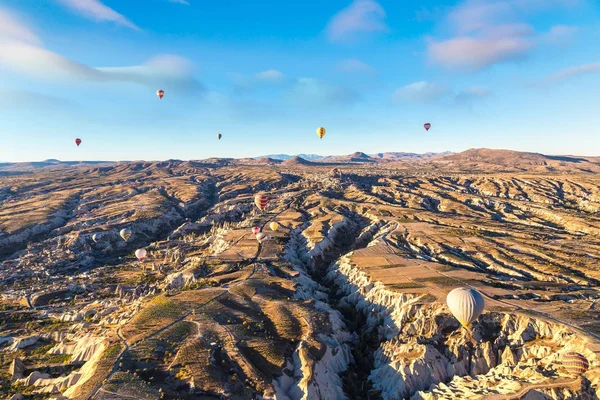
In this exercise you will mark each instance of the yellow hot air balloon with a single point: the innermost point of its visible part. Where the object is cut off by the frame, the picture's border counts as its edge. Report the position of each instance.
(125, 233)
(321, 132)
(274, 226)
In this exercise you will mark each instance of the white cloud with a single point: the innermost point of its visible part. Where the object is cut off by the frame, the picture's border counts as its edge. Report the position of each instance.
(488, 32)
(362, 16)
(471, 94)
(21, 53)
(561, 34)
(428, 92)
(270, 76)
(571, 72)
(184, 2)
(312, 92)
(95, 10)
(11, 28)
(477, 53)
(421, 92)
(354, 65)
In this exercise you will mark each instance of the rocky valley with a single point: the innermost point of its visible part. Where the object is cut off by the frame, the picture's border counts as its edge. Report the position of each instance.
(344, 297)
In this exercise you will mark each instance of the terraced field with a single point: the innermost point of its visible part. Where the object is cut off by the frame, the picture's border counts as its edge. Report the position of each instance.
(345, 300)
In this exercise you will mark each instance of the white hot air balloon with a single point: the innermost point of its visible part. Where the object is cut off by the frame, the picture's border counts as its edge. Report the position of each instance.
(95, 237)
(261, 237)
(466, 304)
(140, 254)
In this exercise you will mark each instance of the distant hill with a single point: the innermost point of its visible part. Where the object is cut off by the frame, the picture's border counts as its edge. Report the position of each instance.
(51, 163)
(297, 161)
(308, 157)
(395, 156)
(356, 157)
(498, 160)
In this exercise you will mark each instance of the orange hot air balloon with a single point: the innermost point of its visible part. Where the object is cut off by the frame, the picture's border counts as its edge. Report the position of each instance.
(160, 93)
(427, 126)
(77, 142)
(261, 201)
(255, 230)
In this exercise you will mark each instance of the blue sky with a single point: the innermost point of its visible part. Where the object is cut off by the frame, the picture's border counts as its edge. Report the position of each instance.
(516, 74)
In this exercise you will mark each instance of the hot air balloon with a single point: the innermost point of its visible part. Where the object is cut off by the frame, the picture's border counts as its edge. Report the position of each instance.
(95, 237)
(255, 230)
(575, 363)
(321, 132)
(261, 237)
(140, 254)
(427, 126)
(274, 226)
(77, 142)
(125, 233)
(219, 136)
(160, 93)
(261, 201)
(466, 304)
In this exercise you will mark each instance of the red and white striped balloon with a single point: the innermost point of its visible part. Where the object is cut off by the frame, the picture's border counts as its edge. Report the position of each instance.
(255, 230)
(261, 201)
(160, 93)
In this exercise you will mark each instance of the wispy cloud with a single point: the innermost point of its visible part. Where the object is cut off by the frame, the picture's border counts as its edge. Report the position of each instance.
(421, 92)
(22, 53)
(316, 93)
(362, 16)
(246, 84)
(488, 32)
(469, 95)
(572, 72)
(561, 34)
(270, 76)
(11, 98)
(428, 92)
(95, 10)
(13, 29)
(184, 2)
(354, 65)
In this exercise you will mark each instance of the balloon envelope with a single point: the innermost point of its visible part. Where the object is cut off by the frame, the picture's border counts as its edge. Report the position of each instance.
(95, 237)
(575, 364)
(125, 234)
(255, 230)
(427, 126)
(321, 132)
(77, 142)
(274, 226)
(261, 236)
(140, 254)
(219, 136)
(261, 201)
(160, 93)
(466, 304)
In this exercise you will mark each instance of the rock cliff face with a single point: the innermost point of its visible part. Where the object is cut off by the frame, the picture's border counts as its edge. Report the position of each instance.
(306, 376)
(427, 355)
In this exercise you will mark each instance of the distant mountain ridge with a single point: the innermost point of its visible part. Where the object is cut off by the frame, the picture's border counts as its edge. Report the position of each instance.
(283, 157)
